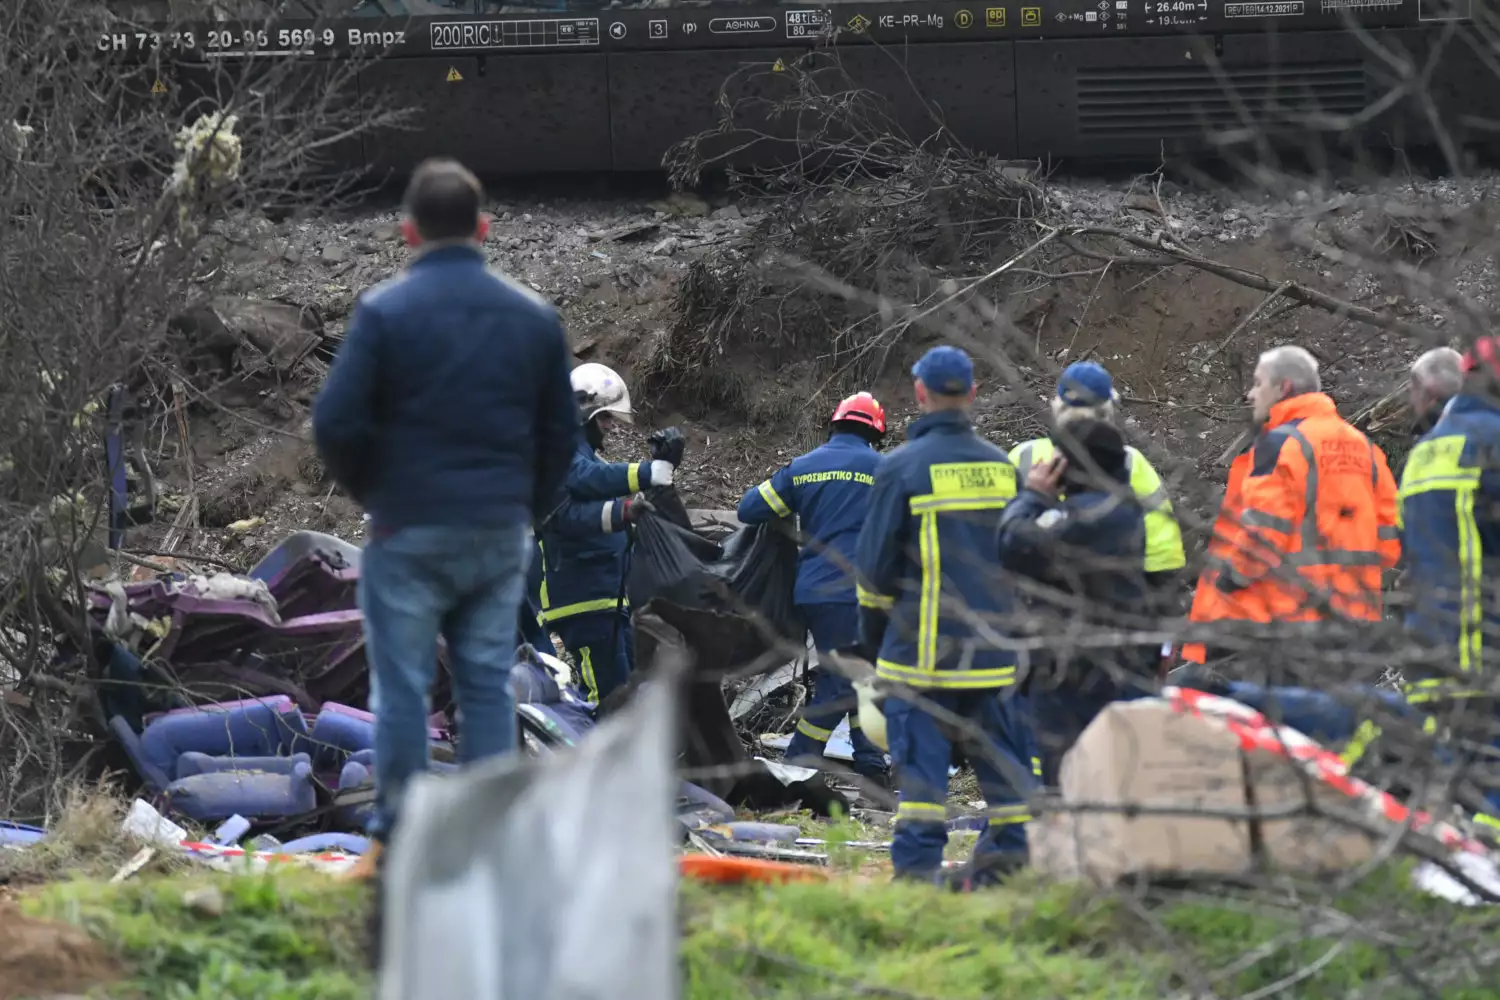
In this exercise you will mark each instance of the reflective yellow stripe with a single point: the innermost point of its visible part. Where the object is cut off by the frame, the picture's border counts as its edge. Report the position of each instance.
(870, 599)
(1485, 820)
(948, 505)
(948, 680)
(921, 812)
(1036, 766)
(1471, 582)
(542, 593)
(1364, 734)
(931, 557)
(581, 608)
(1007, 815)
(773, 500)
(633, 477)
(1439, 689)
(586, 667)
(808, 729)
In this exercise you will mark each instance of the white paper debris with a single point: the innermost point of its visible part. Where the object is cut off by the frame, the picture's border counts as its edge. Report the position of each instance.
(145, 823)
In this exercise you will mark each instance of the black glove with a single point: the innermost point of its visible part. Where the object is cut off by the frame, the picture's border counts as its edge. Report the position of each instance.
(668, 445)
(635, 508)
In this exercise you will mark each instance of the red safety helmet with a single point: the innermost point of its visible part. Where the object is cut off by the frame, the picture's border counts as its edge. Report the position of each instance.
(1484, 355)
(862, 408)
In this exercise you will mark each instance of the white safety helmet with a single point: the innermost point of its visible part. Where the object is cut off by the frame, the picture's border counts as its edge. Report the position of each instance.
(599, 390)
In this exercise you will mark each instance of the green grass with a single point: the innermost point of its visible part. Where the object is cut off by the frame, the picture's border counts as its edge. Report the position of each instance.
(1032, 940)
(846, 938)
(294, 935)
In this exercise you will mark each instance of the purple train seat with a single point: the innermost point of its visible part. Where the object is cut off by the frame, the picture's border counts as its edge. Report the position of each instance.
(255, 727)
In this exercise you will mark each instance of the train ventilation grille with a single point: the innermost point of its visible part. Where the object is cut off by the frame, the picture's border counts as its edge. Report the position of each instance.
(1189, 100)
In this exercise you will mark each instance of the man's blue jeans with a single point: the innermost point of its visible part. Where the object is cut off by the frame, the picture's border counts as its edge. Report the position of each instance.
(465, 584)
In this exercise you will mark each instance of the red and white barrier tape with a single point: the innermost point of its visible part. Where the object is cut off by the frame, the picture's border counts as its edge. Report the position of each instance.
(1256, 732)
(323, 860)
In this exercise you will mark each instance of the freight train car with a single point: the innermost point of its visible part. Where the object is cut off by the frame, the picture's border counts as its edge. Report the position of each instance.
(582, 87)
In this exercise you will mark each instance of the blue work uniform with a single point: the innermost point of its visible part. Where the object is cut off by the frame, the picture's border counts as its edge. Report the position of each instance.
(928, 591)
(828, 490)
(1089, 547)
(585, 547)
(1449, 516)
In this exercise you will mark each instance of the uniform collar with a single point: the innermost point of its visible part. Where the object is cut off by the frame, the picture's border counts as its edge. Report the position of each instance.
(1301, 407)
(446, 250)
(849, 439)
(1468, 402)
(944, 421)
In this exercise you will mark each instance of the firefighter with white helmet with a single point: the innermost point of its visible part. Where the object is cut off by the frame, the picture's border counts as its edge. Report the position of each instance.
(584, 541)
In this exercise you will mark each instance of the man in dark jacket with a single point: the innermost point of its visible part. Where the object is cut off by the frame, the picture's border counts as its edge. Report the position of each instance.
(448, 415)
(828, 491)
(585, 538)
(930, 603)
(1086, 551)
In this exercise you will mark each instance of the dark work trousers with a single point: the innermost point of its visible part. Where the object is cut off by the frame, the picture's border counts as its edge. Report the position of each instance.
(833, 626)
(1021, 710)
(529, 629)
(997, 747)
(602, 644)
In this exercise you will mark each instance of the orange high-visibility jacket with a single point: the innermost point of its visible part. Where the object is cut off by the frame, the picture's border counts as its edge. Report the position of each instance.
(1307, 524)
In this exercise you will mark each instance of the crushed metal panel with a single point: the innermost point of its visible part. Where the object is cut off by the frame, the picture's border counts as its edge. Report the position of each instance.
(535, 880)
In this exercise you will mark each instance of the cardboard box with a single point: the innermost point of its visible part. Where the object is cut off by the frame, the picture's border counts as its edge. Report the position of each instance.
(1147, 755)
(1305, 843)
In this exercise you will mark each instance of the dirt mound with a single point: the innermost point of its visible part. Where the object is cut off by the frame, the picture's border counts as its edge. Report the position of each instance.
(39, 958)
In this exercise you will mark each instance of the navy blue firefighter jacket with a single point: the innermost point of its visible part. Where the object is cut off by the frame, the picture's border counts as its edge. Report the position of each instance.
(925, 559)
(828, 489)
(584, 540)
(1089, 549)
(1449, 516)
(449, 402)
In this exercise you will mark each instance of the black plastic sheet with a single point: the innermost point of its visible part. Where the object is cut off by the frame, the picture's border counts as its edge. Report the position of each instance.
(749, 576)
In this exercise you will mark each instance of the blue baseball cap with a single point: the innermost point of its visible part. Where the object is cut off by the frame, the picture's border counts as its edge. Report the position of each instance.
(1085, 383)
(945, 370)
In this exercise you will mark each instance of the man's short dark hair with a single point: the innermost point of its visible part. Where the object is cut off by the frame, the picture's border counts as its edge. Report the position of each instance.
(442, 200)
